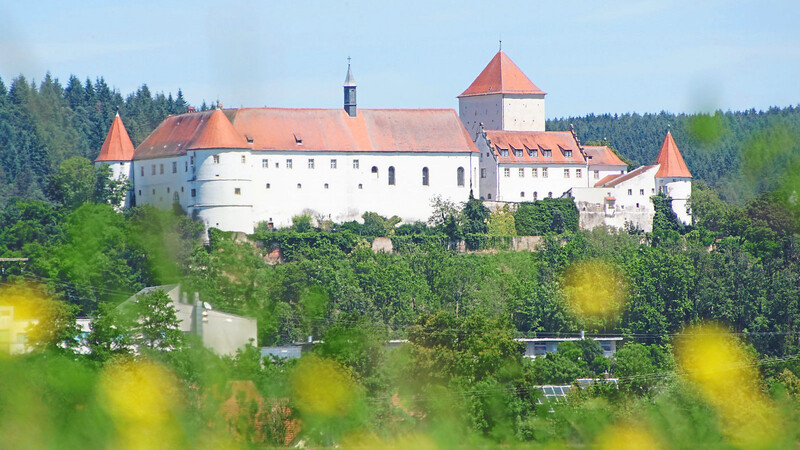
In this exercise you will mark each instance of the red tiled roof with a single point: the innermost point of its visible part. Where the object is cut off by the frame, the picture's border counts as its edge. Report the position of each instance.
(606, 179)
(555, 141)
(672, 164)
(502, 76)
(372, 130)
(621, 178)
(602, 156)
(118, 145)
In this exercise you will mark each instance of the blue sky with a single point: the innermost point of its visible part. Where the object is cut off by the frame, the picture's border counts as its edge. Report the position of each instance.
(589, 56)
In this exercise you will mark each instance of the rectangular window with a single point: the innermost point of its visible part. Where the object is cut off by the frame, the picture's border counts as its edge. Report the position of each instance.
(483, 173)
(596, 174)
(186, 166)
(630, 191)
(534, 153)
(534, 172)
(567, 153)
(288, 163)
(141, 170)
(641, 191)
(310, 163)
(544, 172)
(161, 169)
(237, 191)
(547, 153)
(566, 173)
(174, 167)
(506, 172)
(333, 164)
(244, 159)
(518, 153)
(191, 160)
(153, 171)
(265, 163)
(522, 173)
(578, 173)
(194, 192)
(355, 164)
(215, 158)
(503, 152)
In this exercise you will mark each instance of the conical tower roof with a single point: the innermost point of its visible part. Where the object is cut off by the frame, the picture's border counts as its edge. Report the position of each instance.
(218, 132)
(349, 80)
(671, 161)
(502, 76)
(118, 145)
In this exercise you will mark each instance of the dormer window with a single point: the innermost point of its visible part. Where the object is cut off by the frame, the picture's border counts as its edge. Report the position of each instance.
(547, 153)
(298, 139)
(518, 153)
(503, 152)
(534, 152)
(567, 153)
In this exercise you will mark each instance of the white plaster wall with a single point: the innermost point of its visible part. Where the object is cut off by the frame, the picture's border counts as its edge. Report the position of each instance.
(218, 205)
(513, 186)
(632, 203)
(679, 189)
(481, 108)
(523, 113)
(604, 171)
(351, 191)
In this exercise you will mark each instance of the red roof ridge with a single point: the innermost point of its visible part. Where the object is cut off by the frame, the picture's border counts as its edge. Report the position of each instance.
(118, 145)
(624, 177)
(671, 161)
(501, 76)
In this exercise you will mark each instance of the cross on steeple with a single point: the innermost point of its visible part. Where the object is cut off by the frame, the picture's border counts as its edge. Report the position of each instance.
(348, 60)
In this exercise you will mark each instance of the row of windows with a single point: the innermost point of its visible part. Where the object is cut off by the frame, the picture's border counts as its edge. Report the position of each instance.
(311, 164)
(161, 167)
(534, 153)
(535, 195)
(641, 191)
(535, 172)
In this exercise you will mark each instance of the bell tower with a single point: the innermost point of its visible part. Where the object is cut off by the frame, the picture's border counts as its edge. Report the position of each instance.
(350, 92)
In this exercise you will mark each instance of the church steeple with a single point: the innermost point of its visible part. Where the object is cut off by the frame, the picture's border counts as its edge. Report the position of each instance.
(350, 92)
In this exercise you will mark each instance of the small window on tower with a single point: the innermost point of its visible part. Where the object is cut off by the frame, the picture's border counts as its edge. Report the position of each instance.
(522, 194)
(194, 193)
(237, 191)
(186, 166)
(641, 191)
(326, 185)
(267, 185)
(244, 159)
(299, 186)
(142, 170)
(460, 176)
(483, 173)
(215, 159)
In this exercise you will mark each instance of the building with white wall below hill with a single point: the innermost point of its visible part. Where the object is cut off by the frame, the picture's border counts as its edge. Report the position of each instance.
(234, 168)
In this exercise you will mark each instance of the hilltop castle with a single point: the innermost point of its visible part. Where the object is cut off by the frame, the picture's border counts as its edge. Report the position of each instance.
(234, 168)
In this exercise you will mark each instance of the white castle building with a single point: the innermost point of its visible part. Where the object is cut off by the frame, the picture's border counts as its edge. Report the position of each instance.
(235, 168)
(520, 161)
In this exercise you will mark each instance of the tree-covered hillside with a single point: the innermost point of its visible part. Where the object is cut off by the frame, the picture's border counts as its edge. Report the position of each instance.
(713, 145)
(45, 124)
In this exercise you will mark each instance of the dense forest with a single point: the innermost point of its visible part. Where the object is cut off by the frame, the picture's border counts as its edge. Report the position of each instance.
(709, 312)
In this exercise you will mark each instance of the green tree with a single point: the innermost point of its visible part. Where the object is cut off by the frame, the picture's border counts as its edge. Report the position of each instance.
(157, 323)
(74, 183)
(111, 332)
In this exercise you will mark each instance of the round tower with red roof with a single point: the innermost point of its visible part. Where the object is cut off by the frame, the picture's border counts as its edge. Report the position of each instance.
(117, 153)
(674, 179)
